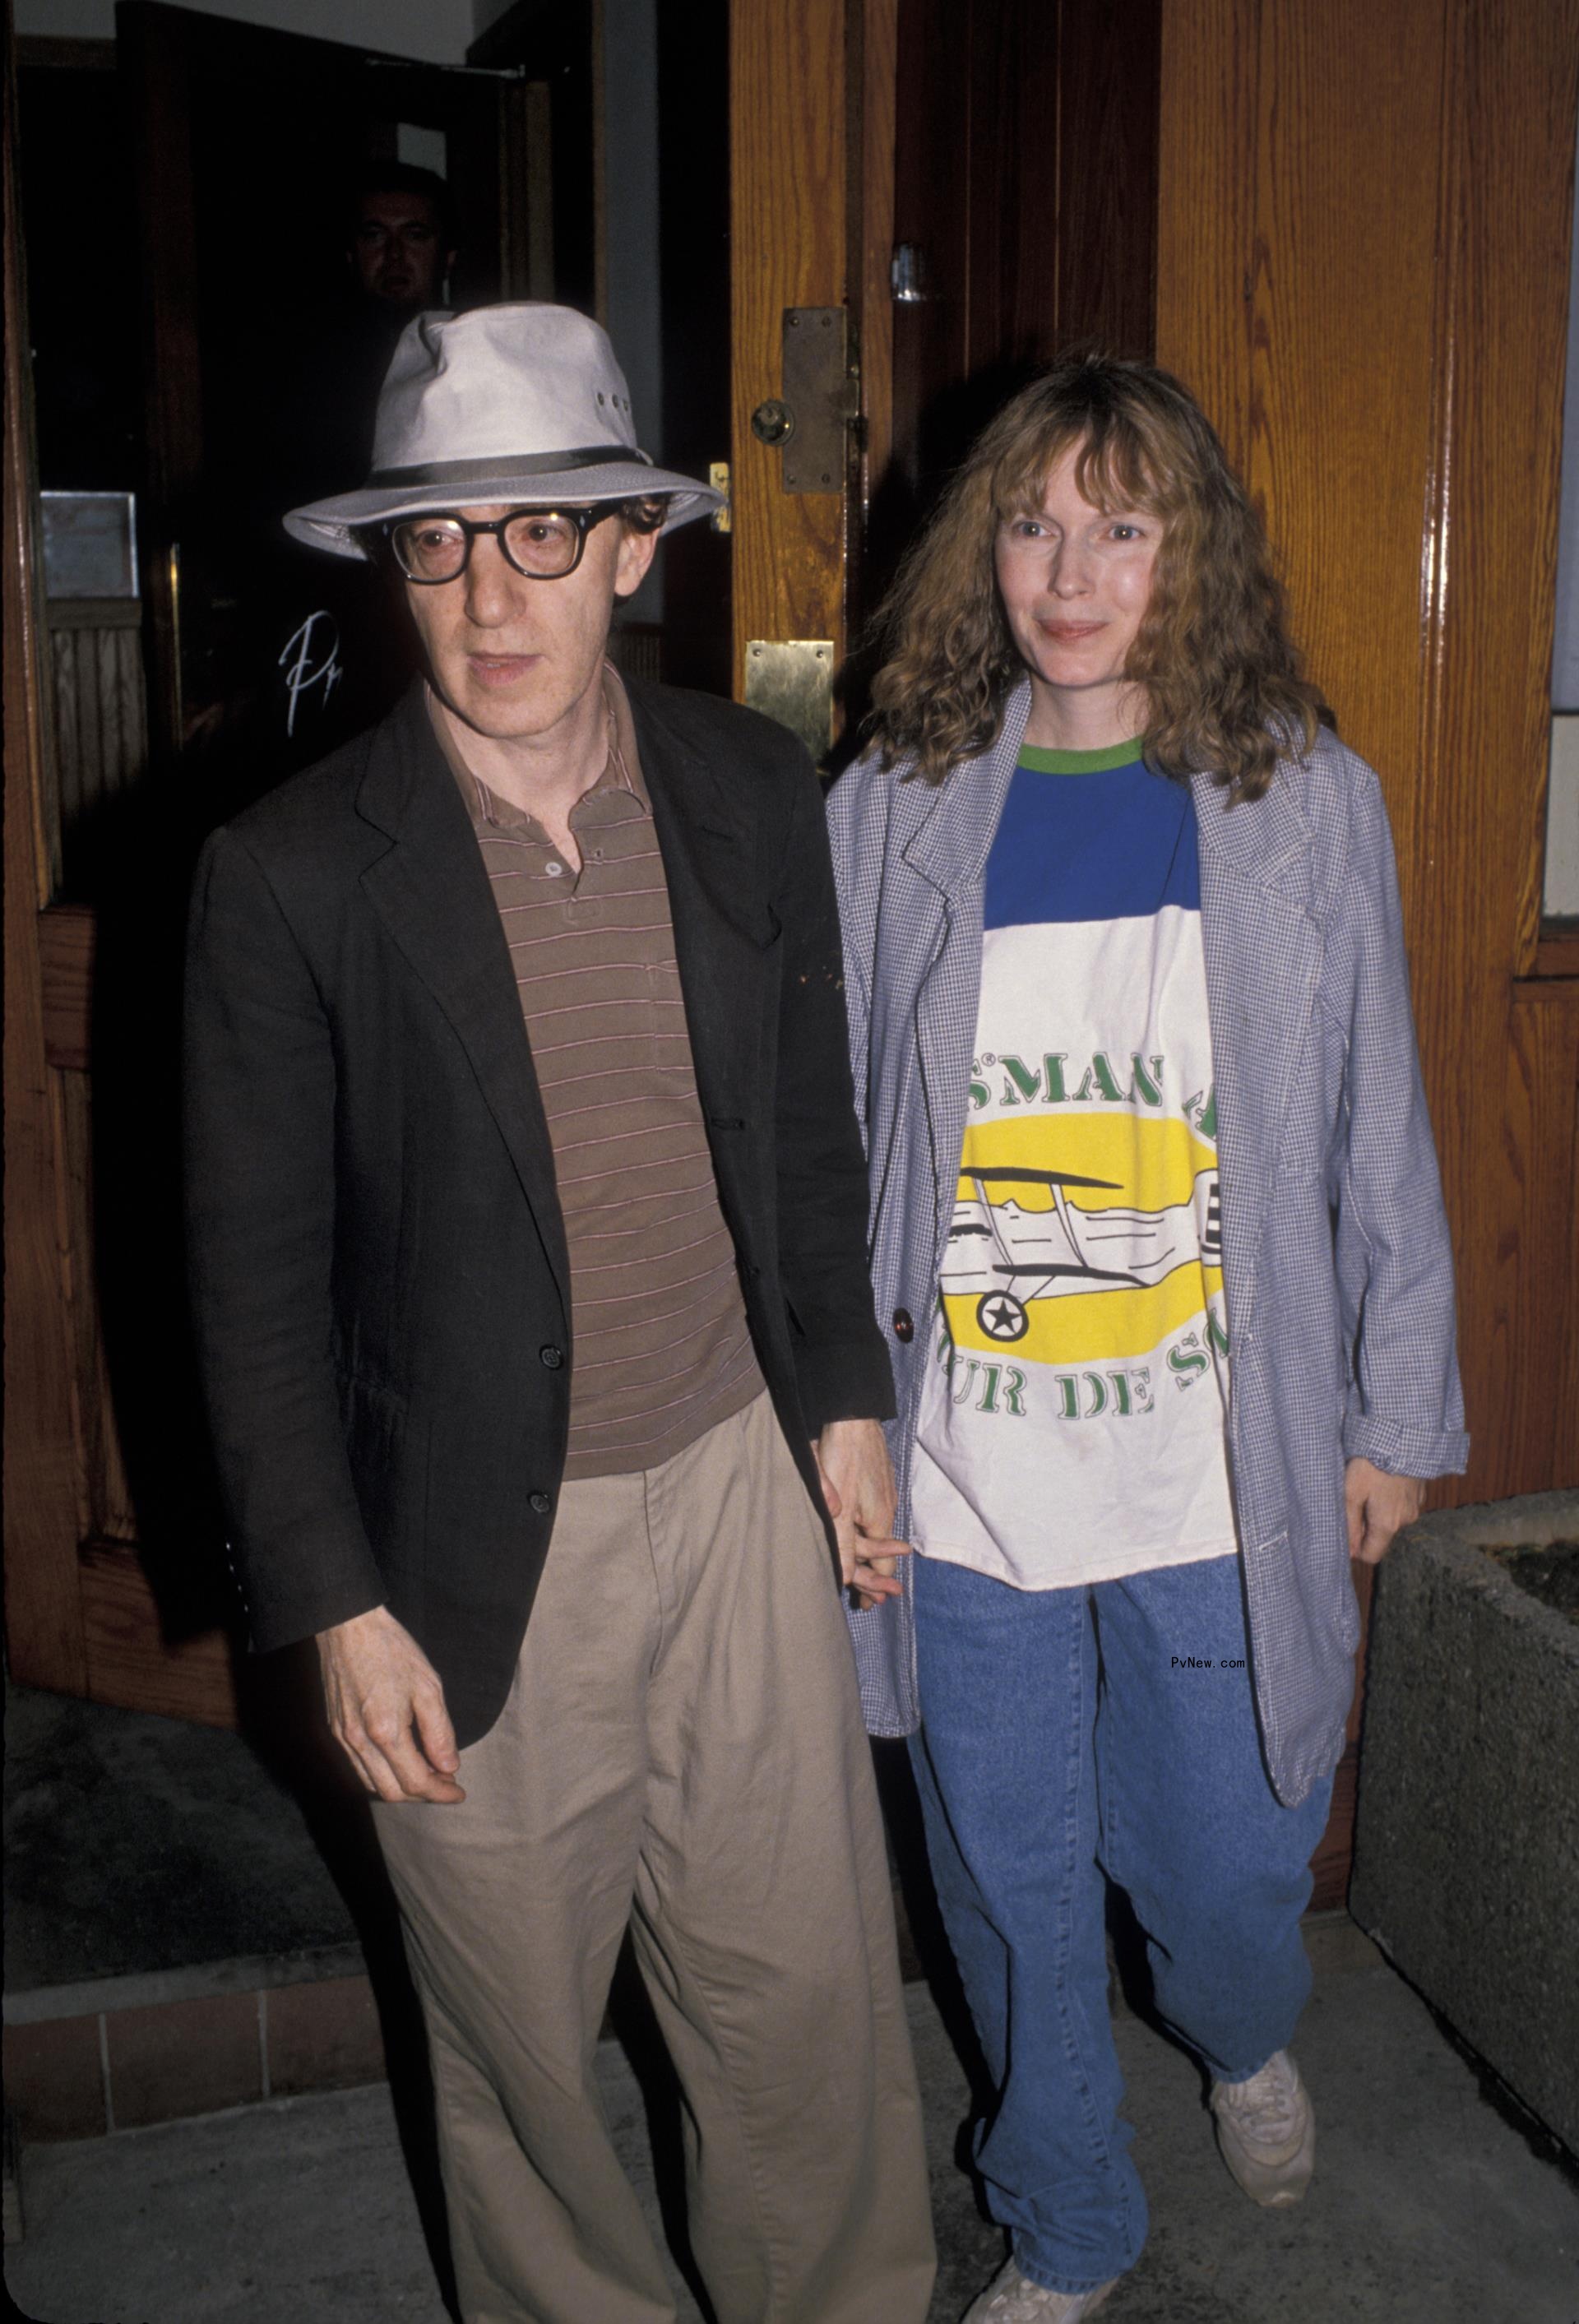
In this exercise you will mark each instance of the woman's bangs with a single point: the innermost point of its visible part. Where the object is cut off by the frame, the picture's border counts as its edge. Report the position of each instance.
(1019, 478)
(1112, 468)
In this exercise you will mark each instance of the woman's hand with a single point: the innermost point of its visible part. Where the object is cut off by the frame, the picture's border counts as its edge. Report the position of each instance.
(1378, 1506)
(857, 1485)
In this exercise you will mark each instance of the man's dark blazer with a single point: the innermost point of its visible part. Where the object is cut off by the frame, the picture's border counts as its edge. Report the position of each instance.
(379, 1272)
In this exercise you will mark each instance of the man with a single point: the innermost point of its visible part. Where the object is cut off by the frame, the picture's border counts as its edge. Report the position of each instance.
(400, 245)
(528, 1222)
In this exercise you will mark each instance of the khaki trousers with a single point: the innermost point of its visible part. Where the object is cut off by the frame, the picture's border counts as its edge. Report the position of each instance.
(681, 1749)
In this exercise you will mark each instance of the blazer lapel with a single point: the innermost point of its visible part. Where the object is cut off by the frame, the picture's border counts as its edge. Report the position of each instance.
(431, 892)
(723, 922)
(1263, 952)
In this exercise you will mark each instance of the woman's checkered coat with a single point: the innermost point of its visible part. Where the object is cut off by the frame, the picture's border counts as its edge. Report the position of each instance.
(1337, 1268)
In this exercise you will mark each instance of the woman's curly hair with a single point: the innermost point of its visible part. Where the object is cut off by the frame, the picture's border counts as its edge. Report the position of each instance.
(1222, 681)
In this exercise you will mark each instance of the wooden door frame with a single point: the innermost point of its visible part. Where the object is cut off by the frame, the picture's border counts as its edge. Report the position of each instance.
(43, 1613)
(812, 131)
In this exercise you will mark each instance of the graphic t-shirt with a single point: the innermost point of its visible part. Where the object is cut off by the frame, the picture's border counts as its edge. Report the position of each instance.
(1072, 1425)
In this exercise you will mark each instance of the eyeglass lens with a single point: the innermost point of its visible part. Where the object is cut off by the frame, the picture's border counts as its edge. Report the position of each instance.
(539, 541)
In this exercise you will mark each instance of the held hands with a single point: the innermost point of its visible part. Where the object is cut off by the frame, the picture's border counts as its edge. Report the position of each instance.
(857, 1485)
(1378, 1506)
(386, 1710)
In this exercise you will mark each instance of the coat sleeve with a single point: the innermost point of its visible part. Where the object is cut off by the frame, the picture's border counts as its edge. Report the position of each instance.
(260, 1190)
(1404, 1408)
(857, 885)
(841, 1360)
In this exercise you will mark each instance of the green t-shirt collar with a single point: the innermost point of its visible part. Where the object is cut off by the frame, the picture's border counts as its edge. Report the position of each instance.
(1079, 762)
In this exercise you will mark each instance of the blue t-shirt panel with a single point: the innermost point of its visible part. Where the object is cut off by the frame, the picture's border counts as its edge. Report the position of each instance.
(1115, 845)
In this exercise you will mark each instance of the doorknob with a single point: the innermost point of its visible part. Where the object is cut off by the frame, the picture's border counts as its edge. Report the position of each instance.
(772, 421)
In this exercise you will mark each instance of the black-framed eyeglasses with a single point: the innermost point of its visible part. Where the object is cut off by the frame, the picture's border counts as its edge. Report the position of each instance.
(543, 544)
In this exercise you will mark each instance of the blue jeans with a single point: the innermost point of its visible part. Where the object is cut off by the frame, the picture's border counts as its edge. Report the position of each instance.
(1073, 1733)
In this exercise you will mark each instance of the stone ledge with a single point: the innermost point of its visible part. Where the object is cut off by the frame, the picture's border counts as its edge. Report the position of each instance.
(250, 1973)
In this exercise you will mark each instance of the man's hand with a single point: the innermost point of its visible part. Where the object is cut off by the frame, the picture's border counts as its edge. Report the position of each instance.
(1378, 1506)
(386, 1708)
(857, 1484)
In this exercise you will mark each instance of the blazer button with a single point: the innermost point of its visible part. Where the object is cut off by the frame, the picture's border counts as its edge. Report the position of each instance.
(552, 1357)
(904, 1324)
(539, 1502)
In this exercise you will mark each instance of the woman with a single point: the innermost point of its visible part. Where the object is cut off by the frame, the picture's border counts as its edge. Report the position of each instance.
(1131, 1021)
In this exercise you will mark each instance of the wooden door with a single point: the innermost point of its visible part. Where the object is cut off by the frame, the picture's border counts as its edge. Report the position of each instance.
(115, 1582)
(1363, 272)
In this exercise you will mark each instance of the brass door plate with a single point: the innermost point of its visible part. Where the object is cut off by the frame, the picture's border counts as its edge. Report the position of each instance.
(821, 396)
(792, 679)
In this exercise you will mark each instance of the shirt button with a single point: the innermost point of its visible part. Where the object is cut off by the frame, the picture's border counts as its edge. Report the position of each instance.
(552, 1357)
(555, 871)
(539, 1502)
(904, 1324)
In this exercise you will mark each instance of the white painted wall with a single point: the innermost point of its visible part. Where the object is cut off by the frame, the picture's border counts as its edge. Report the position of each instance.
(436, 31)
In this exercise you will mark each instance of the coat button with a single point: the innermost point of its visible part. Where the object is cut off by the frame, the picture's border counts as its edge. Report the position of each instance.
(904, 1324)
(539, 1502)
(552, 1357)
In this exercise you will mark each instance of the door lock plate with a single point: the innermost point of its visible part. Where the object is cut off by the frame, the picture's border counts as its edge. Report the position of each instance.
(821, 393)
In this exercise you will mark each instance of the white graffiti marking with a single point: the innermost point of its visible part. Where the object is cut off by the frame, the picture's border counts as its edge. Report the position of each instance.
(304, 672)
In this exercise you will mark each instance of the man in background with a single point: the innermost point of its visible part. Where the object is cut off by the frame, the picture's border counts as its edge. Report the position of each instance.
(402, 243)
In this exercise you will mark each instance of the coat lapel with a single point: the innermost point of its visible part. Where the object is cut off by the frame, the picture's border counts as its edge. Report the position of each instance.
(1263, 950)
(955, 828)
(431, 892)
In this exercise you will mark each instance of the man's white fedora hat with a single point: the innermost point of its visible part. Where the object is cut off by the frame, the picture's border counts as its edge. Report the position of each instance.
(519, 403)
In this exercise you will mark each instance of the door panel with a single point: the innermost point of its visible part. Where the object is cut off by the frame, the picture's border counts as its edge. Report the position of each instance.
(260, 369)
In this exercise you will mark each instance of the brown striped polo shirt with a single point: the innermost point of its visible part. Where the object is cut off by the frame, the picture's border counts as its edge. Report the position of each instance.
(662, 1351)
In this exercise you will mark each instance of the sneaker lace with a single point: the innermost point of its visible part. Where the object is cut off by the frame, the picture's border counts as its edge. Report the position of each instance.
(1268, 2103)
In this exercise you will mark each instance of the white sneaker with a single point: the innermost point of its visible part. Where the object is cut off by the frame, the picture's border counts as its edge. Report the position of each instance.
(1266, 2132)
(1013, 2298)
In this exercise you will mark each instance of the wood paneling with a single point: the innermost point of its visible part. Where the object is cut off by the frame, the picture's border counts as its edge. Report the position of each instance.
(1026, 177)
(66, 936)
(1525, 1392)
(132, 1659)
(101, 720)
(1362, 273)
(43, 1612)
(105, 1510)
(788, 157)
(872, 127)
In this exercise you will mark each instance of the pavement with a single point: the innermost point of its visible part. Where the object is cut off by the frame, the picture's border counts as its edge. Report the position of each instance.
(1432, 2203)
